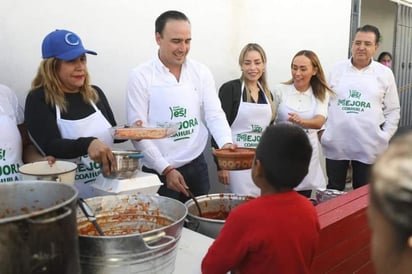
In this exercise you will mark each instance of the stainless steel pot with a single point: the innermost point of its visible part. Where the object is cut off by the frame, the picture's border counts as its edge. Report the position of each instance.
(127, 163)
(38, 232)
(212, 203)
(153, 250)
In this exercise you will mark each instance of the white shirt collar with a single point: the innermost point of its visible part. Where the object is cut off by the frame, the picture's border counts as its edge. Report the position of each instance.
(161, 67)
(307, 92)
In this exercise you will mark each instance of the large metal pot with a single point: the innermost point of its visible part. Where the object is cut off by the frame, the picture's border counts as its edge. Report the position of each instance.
(212, 204)
(152, 250)
(38, 232)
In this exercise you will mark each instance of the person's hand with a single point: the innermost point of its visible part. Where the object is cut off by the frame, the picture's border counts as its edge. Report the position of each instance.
(50, 159)
(223, 176)
(230, 146)
(294, 118)
(101, 153)
(138, 123)
(176, 182)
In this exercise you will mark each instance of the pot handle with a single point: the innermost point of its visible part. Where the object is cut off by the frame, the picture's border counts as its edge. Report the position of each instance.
(52, 219)
(154, 238)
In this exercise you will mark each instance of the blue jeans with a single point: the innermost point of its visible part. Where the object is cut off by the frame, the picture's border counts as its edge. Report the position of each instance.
(336, 171)
(196, 176)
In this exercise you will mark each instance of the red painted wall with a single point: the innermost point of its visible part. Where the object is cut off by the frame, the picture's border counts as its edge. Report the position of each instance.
(345, 235)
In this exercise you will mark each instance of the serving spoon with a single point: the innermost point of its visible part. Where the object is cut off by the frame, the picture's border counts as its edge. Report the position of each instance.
(196, 202)
(88, 212)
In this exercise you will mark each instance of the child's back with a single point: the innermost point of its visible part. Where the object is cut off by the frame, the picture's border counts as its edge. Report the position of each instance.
(277, 232)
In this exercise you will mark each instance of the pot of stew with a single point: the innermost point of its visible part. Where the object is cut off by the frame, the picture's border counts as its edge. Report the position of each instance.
(215, 209)
(141, 233)
(38, 230)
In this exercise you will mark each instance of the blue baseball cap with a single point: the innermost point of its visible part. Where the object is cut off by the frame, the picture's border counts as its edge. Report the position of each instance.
(63, 44)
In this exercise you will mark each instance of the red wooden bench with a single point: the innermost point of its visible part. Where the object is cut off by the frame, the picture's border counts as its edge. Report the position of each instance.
(345, 235)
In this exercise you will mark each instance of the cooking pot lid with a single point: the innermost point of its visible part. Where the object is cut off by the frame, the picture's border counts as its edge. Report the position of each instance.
(43, 168)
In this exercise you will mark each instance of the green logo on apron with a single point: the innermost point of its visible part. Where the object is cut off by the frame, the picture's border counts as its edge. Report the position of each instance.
(353, 104)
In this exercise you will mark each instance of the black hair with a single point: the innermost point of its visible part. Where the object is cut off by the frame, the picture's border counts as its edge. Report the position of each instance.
(370, 28)
(383, 54)
(284, 151)
(166, 16)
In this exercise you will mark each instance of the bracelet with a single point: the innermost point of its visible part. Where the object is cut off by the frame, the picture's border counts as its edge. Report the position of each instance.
(168, 171)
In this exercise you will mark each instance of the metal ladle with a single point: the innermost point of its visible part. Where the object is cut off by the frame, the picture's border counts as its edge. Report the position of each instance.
(88, 212)
(196, 202)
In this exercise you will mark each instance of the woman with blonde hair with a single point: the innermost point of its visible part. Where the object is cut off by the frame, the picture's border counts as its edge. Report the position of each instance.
(248, 104)
(66, 116)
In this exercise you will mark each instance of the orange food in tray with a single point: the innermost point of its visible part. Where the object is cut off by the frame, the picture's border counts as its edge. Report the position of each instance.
(140, 133)
(143, 132)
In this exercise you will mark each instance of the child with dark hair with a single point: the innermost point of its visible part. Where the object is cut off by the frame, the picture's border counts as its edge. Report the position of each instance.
(277, 232)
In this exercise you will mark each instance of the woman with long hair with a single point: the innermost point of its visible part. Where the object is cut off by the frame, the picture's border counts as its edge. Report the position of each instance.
(248, 104)
(66, 116)
(303, 100)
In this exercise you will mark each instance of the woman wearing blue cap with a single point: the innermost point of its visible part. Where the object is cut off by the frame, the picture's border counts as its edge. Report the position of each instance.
(65, 115)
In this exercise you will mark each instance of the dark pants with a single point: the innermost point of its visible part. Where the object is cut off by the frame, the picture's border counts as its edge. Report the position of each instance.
(336, 171)
(196, 176)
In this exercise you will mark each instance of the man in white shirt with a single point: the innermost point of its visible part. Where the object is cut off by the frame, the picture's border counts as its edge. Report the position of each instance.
(173, 89)
(363, 115)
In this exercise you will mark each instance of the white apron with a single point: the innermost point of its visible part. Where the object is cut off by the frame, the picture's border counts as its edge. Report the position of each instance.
(93, 125)
(315, 179)
(11, 149)
(247, 128)
(358, 113)
(178, 103)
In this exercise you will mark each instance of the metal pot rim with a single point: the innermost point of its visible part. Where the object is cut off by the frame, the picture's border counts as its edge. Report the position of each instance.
(144, 234)
(215, 196)
(39, 212)
(219, 196)
(125, 152)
